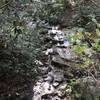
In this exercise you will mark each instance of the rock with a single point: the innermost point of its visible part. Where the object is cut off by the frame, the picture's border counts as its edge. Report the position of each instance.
(54, 32)
(55, 35)
(37, 62)
(58, 77)
(55, 84)
(56, 98)
(49, 78)
(59, 37)
(65, 44)
(48, 51)
(54, 40)
(43, 70)
(93, 86)
(47, 88)
(62, 87)
(90, 88)
(64, 53)
(42, 89)
(89, 52)
(57, 61)
(59, 93)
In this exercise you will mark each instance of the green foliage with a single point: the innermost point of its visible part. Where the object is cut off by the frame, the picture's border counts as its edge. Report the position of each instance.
(97, 98)
(79, 50)
(80, 41)
(96, 45)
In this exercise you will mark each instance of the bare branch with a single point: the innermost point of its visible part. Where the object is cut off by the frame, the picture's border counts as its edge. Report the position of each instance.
(6, 4)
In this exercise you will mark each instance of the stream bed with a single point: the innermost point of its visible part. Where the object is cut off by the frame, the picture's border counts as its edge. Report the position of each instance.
(53, 82)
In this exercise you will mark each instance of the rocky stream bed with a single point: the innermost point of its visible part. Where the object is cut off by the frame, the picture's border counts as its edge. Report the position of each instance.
(52, 84)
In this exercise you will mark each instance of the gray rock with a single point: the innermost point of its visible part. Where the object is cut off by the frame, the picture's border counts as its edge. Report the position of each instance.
(63, 86)
(57, 76)
(90, 88)
(57, 61)
(49, 78)
(56, 84)
(55, 31)
(42, 89)
(65, 44)
(49, 51)
(56, 98)
(43, 70)
(64, 53)
(47, 88)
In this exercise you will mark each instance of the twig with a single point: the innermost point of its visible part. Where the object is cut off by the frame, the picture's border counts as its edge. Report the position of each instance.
(87, 39)
(95, 3)
(92, 76)
(5, 4)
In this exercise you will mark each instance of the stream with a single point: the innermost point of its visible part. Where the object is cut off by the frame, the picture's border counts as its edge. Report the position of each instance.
(51, 85)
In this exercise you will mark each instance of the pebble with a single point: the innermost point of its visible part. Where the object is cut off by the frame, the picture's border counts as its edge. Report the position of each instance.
(56, 84)
(48, 51)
